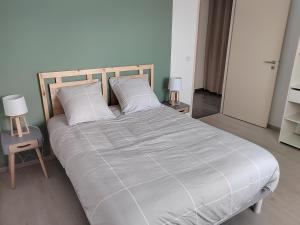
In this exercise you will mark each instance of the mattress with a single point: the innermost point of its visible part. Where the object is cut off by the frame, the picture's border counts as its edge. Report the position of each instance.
(160, 167)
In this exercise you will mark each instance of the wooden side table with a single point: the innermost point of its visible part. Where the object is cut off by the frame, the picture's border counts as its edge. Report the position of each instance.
(182, 107)
(13, 145)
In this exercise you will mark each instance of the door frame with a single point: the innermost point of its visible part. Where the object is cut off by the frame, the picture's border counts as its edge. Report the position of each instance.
(234, 2)
(228, 54)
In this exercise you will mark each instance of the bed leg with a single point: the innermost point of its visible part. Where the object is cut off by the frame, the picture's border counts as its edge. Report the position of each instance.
(257, 207)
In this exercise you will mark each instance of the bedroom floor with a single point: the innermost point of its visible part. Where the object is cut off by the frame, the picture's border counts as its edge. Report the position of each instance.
(37, 201)
(205, 104)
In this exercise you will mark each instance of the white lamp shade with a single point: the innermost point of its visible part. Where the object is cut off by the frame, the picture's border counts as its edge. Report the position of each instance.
(14, 105)
(175, 83)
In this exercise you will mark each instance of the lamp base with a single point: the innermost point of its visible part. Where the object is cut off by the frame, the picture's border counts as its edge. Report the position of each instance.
(18, 121)
(174, 98)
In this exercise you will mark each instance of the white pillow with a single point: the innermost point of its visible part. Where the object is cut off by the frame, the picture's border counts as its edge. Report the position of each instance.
(134, 94)
(84, 103)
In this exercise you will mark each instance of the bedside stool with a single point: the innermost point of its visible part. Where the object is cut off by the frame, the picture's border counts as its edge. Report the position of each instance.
(12, 145)
(182, 107)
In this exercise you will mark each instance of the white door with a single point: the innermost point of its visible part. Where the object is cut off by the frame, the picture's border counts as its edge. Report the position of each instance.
(258, 29)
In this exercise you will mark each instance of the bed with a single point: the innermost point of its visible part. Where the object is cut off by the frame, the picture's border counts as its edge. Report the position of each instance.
(157, 166)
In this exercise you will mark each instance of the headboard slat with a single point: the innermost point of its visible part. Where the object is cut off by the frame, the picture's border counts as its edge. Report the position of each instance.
(89, 76)
(58, 79)
(104, 85)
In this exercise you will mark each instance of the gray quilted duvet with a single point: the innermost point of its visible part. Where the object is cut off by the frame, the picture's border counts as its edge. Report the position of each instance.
(160, 167)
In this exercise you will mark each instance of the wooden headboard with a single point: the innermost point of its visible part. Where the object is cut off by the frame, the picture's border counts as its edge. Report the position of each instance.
(50, 82)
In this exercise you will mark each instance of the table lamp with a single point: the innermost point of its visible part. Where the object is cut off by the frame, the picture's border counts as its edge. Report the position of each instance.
(15, 107)
(174, 87)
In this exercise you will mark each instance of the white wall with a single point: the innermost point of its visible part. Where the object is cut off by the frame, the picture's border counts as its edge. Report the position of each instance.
(286, 64)
(202, 31)
(184, 43)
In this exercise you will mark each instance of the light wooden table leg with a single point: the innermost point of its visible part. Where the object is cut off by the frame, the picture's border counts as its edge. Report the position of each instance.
(11, 159)
(41, 161)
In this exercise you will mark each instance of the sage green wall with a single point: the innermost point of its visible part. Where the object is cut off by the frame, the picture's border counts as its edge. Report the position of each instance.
(51, 35)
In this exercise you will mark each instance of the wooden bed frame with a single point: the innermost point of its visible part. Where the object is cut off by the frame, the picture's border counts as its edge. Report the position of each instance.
(50, 82)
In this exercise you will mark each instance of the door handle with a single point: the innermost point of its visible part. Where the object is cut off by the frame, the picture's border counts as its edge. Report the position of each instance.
(271, 62)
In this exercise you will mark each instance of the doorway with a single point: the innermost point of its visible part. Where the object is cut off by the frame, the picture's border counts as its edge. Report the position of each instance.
(256, 39)
(213, 34)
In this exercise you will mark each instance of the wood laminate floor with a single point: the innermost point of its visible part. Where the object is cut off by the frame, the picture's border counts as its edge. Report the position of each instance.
(37, 201)
(283, 206)
(205, 104)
